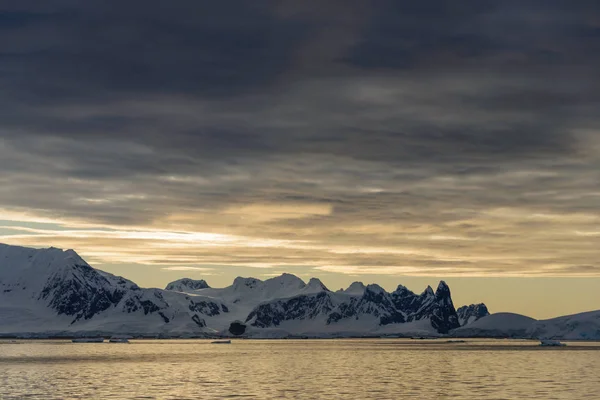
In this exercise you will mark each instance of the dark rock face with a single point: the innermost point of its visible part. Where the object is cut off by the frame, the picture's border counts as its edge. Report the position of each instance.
(374, 301)
(407, 301)
(237, 328)
(135, 303)
(437, 306)
(82, 292)
(391, 308)
(199, 321)
(207, 307)
(297, 308)
(164, 317)
(187, 284)
(443, 314)
(471, 313)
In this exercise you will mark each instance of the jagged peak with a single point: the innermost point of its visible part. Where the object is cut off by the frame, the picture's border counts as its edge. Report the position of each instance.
(471, 313)
(476, 306)
(443, 289)
(402, 291)
(375, 288)
(428, 291)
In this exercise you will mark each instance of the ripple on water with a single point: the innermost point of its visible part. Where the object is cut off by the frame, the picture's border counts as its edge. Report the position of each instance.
(349, 369)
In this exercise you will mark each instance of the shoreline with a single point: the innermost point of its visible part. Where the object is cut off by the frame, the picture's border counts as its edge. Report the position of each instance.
(438, 340)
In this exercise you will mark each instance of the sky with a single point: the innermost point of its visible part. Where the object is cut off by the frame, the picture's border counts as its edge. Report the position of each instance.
(383, 141)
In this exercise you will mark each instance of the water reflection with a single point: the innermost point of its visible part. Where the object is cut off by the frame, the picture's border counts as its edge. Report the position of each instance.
(349, 369)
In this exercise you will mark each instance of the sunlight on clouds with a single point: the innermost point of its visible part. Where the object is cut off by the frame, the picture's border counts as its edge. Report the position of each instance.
(593, 233)
(485, 244)
(424, 272)
(373, 250)
(276, 211)
(514, 213)
(398, 270)
(187, 269)
(20, 216)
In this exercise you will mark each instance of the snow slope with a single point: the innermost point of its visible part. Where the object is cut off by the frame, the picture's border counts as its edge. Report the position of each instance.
(497, 325)
(582, 326)
(571, 327)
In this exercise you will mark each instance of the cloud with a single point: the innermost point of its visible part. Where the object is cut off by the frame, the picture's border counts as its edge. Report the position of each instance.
(187, 269)
(403, 138)
(273, 211)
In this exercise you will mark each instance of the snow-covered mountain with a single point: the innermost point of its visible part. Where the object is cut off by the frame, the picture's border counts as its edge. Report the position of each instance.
(325, 311)
(582, 326)
(286, 304)
(51, 291)
(56, 291)
(471, 313)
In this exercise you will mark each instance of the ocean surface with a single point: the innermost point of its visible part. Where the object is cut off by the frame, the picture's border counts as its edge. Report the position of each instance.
(298, 369)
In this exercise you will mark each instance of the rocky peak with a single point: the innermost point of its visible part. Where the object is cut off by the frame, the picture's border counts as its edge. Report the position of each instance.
(471, 313)
(428, 292)
(402, 289)
(436, 306)
(443, 315)
(442, 290)
(375, 288)
(442, 294)
(187, 284)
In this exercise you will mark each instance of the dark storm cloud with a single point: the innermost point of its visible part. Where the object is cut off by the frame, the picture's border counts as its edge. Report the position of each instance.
(90, 50)
(445, 120)
(240, 62)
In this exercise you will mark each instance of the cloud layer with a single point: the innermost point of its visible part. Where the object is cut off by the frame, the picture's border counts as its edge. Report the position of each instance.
(435, 140)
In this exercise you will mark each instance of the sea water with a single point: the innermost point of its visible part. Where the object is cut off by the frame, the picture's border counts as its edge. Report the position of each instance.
(299, 369)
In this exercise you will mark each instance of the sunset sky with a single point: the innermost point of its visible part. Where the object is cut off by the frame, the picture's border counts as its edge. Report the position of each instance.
(386, 141)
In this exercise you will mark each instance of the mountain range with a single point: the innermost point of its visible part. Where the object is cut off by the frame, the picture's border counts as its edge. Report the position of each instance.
(51, 292)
